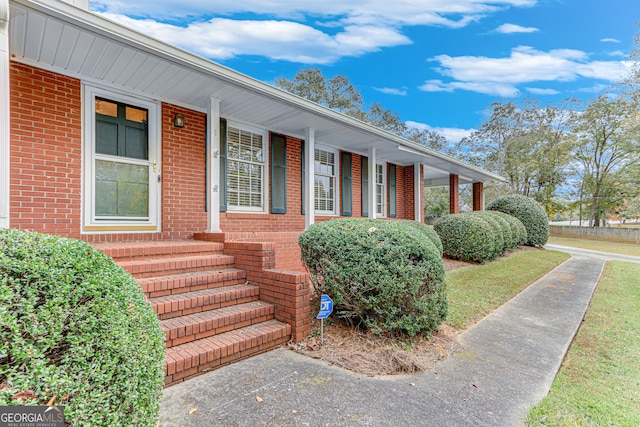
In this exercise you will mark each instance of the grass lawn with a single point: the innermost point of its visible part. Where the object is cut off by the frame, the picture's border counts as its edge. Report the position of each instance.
(598, 245)
(599, 381)
(476, 291)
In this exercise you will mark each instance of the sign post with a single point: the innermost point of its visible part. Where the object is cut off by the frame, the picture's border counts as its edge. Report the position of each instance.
(326, 308)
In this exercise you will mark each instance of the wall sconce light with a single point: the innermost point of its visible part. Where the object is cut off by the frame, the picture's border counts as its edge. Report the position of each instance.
(178, 120)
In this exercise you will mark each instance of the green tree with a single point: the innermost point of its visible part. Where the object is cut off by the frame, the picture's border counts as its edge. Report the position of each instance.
(339, 94)
(606, 149)
(336, 93)
(525, 143)
(436, 202)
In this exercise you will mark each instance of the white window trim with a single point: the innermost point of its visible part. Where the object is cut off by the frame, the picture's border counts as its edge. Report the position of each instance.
(265, 168)
(336, 183)
(382, 214)
(90, 223)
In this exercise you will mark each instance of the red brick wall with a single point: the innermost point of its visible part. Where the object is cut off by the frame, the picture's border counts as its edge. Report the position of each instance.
(46, 151)
(46, 165)
(46, 161)
(183, 174)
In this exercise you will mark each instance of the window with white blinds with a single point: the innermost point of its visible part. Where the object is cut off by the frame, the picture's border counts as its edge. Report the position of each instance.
(245, 170)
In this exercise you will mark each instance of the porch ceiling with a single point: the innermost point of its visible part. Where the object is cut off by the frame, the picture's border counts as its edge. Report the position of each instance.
(71, 41)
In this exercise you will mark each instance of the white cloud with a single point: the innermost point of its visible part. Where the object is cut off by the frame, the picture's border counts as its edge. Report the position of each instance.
(222, 38)
(542, 91)
(501, 76)
(453, 135)
(404, 12)
(489, 88)
(222, 29)
(391, 91)
(512, 29)
(610, 40)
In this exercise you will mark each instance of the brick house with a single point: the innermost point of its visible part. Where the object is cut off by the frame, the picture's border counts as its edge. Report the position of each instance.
(195, 178)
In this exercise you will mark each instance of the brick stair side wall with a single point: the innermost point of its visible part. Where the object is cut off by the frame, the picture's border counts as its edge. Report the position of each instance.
(288, 290)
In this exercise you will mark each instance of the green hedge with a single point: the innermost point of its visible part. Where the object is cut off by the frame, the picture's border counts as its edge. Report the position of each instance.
(75, 325)
(426, 231)
(518, 231)
(480, 235)
(529, 212)
(381, 274)
(466, 237)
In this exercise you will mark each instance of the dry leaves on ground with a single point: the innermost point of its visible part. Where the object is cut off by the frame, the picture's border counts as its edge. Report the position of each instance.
(370, 354)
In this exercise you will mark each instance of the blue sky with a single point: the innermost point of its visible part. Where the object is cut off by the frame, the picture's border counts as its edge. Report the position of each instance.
(437, 63)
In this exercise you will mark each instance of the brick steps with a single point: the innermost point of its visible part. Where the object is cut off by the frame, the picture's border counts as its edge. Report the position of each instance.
(156, 267)
(180, 330)
(210, 314)
(185, 304)
(122, 251)
(193, 281)
(188, 360)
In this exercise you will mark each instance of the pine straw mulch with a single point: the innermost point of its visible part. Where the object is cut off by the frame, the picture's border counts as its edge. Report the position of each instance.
(369, 354)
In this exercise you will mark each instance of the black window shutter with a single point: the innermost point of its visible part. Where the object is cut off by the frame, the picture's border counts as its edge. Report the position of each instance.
(346, 185)
(223, 165)
(391, 179)
(278, 174)
(365, 187)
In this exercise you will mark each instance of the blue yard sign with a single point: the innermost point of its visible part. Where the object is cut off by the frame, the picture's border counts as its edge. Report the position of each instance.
(326, 307)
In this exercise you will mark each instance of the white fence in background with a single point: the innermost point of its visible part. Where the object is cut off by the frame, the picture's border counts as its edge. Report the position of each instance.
(614, 233)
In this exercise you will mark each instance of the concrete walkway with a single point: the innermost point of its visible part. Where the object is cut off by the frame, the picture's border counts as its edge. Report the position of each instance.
(507, 364)
(608, 256)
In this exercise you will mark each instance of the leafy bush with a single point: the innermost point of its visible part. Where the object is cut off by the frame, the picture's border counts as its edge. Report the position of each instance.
(466, 237)
(427, 232)
(501, 233)
(75, 326)
(380, 274)
(529, 212)
(519, 233)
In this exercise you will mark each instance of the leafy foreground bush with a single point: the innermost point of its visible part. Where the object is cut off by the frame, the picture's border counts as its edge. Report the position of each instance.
(529, 212)
(75, 326)
(427, 232)
(380, 274)
(479, 236)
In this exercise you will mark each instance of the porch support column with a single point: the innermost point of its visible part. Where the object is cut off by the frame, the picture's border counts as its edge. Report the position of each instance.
(213, 165)
(454, 194)
(4, 114)
(309, 177)
(478, 196)
(372, 183)
(418, 192)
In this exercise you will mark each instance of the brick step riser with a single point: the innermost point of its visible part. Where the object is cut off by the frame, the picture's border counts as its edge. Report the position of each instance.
(205, 329)
(127, 252)
(165, 311)
(170, 266)
(166, 285)
(165, 256)
(183, 364)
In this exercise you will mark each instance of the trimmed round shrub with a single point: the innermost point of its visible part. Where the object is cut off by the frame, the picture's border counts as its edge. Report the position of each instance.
(466, 237)
(380, 274)
(501, 239)
(519, 233)
(427, 231)
(529, 212)
(75, 326)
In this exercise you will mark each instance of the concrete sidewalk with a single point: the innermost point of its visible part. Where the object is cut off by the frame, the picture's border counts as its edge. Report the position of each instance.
(507, 364)
(607, 256)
